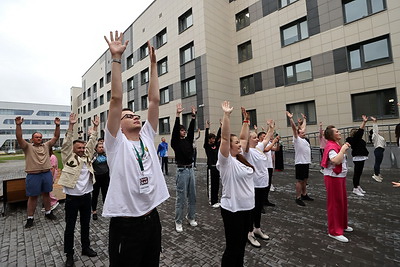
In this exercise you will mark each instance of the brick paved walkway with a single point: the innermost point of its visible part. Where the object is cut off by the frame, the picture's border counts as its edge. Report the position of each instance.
(298, 235)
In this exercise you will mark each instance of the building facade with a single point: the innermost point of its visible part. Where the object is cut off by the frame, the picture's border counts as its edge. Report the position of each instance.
(37, 118)
(332, 60)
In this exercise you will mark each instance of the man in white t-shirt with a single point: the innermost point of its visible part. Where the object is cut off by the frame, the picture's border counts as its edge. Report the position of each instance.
(137, 184)
(302, 158)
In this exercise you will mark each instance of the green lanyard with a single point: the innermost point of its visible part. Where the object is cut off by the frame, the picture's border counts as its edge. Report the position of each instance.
(140, 157)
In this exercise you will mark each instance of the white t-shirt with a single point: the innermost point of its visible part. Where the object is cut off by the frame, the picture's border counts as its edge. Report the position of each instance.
(302, 151)
(83, 185)
(269, 155)
(329, 170)
(133, 192)
(237, 184)
(257, 158)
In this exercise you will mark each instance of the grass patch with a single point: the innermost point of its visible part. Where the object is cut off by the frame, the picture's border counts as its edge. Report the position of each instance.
(5, 158)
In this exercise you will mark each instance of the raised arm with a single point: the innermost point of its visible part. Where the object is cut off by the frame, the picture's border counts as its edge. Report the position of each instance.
(304, 122)
(18, 132)
(365, 119)
(93, 137)
(175, 131)
(207, 132)
(374, 125)
(190, 131)
(294, 129)
(117, 48)
(66, 148)
(321, 131)
(53, 140)
(154, 92)
(244, 133)
(268, 135)
(226, 129)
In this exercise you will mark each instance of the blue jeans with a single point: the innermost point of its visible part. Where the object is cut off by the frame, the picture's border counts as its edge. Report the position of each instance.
(185, 188)
(378, 152)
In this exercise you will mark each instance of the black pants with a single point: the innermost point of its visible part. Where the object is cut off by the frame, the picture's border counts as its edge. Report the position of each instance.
(270, 172)
(378, 152)
(236, 226)
(259, 196)
(214, 174)
(164, 165)
(102, 183)
(73, 205)
(135, 241)
(358, 169)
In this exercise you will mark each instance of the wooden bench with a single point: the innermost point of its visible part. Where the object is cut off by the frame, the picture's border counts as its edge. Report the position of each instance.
(13, 191)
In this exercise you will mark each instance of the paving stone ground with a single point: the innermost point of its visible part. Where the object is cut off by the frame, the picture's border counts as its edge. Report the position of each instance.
(298, 234)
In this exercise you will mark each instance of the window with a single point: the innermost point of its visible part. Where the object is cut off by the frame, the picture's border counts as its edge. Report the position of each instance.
(370, 54)
(102, 117)
(164, 95)
(357, 9)
(163, 125)
(89, 107)
(131, 105)
(187, 53)
(162, 66)
(108, 78)
(242, 19)
(186, 119)
(294, 32)
(144, 76)
(84, 95)
(244, 52)
(144, 51)
(253, 118)
(185, 21)
(144, 102)
(130, 84)
(101, 82)
(189, 87)
(95, 88)
(247, 85)
(129, 61)
(52, 113)
(284, 3)
(84, 109)
(108, 96)
(381, 104)
(161, 38)
(298, 72)
(88, 92)
(307, 108)
(101, 99)
(95, 103)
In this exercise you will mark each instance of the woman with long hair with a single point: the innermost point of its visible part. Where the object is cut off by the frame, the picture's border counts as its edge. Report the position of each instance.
(237, 199)
(335, 170)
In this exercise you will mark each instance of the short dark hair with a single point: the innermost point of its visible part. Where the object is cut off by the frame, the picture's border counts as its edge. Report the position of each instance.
(127, 109)
(100, 139)
(37, 133)
(78, 141)
(259, 134)
(181, 127)
(328, 133)
(211, 135)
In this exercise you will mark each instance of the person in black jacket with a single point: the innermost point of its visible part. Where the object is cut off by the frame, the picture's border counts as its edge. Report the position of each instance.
(359, 153)
(211, 146)
(182, 144)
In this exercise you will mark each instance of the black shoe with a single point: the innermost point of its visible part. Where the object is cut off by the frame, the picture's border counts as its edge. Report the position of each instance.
(70, 260)
(94, 216)
(50, 216)
(306, 197)
(300, 202)
(89, 252)
(262, 210)
(29, 223)
(269, 204)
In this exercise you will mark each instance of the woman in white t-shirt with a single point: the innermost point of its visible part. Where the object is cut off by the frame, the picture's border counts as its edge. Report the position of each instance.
(237, 199)
(256, 157)
(335, 171)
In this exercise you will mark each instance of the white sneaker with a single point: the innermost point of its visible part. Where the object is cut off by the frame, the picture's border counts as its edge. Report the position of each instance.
(380, 176)
(54, 206)
(321, 171)
(178, 227)
(361, 190)
(192, 222)
(340, 238)
(348, 229)
(377, 178)
(253, 241)
(272, 188)
(259, 233)
(216, 205)
(357, 192)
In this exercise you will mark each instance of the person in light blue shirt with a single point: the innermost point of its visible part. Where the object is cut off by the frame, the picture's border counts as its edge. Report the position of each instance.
(162, 151)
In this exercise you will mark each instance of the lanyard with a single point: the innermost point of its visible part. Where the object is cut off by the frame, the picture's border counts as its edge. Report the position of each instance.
(140, 157)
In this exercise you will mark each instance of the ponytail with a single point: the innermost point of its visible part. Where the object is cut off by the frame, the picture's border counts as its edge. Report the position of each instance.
(243, 160)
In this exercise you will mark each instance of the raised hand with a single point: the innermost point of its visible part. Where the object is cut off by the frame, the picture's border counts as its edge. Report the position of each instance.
(373, 119)
(246, 115)
(115, 44)
(57, 121)
(19, 120)
(289, 115)
(194, 111)
(208, 124)
(152, 53)
(226, 108)
(179, 108)
(365, 118)
(96, 121)
(72, 118)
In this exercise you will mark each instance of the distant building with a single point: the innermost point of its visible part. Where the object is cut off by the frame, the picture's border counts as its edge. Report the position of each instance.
(332, 60)
(37, 118)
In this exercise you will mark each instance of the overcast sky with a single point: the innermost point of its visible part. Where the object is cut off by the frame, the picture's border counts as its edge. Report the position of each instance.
(47, 45)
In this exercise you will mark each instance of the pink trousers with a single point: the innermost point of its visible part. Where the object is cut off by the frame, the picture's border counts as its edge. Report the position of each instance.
(336, 204)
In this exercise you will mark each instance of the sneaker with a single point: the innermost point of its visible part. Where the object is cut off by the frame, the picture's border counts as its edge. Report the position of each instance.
(269, 204)
(380, 176)
(272, 188)
(94, 216)
(89, 252)
(253, 241)
(306, 197)
(70, 260)
(340, 238)
(216, 205)
(357, 192)
(300, 202)
(29, 223)
(263, 210)
(50, 216)
(361, 190)
(178, 227)
(348, 229)
(321, 171)
(54, 206)
(191, 222)
(259, 233)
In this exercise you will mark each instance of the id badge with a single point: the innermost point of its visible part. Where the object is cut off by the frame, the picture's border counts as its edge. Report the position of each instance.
(144, 187)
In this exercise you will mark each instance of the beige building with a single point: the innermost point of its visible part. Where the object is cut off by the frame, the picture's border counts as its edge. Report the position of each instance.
(332, 60)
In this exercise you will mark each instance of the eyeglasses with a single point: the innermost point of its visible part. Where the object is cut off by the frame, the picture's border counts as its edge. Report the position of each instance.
(131, 116)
